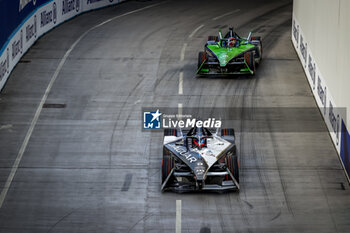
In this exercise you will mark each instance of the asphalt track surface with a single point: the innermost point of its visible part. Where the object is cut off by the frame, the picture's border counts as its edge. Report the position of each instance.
(87, 166)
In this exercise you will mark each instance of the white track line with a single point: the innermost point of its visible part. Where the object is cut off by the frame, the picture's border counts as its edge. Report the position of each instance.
(178, 216)
(181, 75)
(181, 81)
(179, 110)
(43, 100)
(228, 13)
(183, 50)
(195, 31)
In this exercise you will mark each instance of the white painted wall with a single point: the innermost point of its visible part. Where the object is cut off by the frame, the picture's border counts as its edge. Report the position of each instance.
(321, 37)
(326, 27)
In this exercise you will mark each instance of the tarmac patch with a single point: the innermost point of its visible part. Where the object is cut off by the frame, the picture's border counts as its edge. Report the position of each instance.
(127, 182)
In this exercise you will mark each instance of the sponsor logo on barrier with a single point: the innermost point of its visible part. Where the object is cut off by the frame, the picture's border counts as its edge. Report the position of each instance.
(17, 46)
(8, 60)
(334, 120)
(296, 32)
(31, 30)
(70, 5)
(312, 71)
(322, 94)
(47, 17)
(77, 5)
(54, 13)
(303, 49)
(5, 65)
(35, 26)
(333, 117)
(24, 3)
(93, 1)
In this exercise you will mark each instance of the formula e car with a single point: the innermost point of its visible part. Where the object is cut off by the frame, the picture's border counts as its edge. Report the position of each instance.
(231, 54)
(199, 159)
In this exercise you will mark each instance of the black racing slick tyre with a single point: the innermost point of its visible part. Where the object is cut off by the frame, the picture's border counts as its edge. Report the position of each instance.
(211, 38)
(170, 132)
(259, 45)
(231, 158)
(167, 165)
(232, 165)
(202, 56)
(228, 134)
(256, 38)
(250, 60)
(167, 161)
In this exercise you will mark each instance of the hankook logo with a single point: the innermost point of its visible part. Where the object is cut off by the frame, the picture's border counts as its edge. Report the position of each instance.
(54, 12)
(77, 5)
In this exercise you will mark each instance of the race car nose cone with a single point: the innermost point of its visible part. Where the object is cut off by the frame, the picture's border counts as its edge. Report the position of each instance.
(199, 171)
(223, 59)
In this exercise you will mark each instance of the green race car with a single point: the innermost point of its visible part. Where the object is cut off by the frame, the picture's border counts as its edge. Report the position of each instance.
(231, 54)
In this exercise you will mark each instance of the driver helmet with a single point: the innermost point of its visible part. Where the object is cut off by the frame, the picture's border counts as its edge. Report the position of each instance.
(199, 140)
(232, 42)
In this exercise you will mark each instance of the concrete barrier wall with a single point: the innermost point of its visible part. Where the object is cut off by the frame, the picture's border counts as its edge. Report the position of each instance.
(22, 22)
(321, 37)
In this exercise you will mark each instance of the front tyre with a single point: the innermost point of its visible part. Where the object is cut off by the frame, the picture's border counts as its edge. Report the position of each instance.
(202, 56)
(167, 166)
(232, 165)
(250, 61)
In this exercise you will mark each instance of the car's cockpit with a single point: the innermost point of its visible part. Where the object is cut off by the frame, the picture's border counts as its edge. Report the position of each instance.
(231, 42)
(197, 137)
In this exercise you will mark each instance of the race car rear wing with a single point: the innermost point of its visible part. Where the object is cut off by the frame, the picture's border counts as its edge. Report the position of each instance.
(249, 36)
(220, 35)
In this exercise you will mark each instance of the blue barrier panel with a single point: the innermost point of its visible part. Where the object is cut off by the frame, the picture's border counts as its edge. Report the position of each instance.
(13, 13)
(345, 147)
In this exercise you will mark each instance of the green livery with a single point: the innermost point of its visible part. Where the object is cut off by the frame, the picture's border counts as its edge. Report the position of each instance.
(230, 55)
(225, 55)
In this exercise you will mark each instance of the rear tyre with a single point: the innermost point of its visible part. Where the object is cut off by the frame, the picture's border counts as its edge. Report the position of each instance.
(211, 38)
(261, 50)
(259, 45)
(170, 132)
(250, 60)
(228, 134)
(258, 60)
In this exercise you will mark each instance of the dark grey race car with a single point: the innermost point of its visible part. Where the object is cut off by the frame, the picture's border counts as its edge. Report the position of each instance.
(199, 159)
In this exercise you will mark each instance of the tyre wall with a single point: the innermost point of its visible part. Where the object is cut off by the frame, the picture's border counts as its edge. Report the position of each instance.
(321, 37)
(22, 22)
